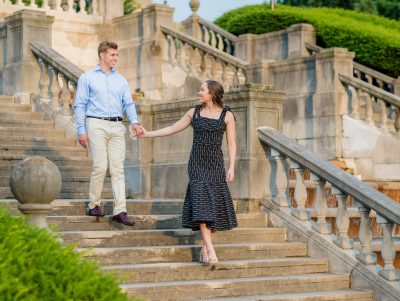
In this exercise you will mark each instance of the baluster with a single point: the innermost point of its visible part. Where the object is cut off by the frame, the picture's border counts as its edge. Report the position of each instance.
(46, 5)
(320, 206)
(208, 62)
(70, 4)
(366, 256)
(384, 116)
(19, 3)
(229, 75)
(58, 5)
(196, 62)
(71, 102)
(182, 56)
(172, 50)
(188, 58)
(218, 70)
(43, 80)
(32, 4)
(65, 96)
(55, 88)
(220, 44)
(8, 2)
(241, 76)
(206, 35)
(388, 250)
(355, 104)
(82, 4)
(213, 42)
(300, 192)
(342, 221)
(164, 45)
(396, 111)
(93, 8)
(281, 179)
(228, 48)
(369, 110)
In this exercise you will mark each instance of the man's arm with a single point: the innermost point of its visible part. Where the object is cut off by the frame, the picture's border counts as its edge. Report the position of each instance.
(129, 107)
(80, 104)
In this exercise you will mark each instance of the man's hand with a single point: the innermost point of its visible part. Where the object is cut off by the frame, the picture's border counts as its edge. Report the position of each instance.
(83, 140)
(137, 129)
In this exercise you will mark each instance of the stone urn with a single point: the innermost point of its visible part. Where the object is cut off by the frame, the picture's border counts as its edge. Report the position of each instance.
(35, 182)
(194, 6)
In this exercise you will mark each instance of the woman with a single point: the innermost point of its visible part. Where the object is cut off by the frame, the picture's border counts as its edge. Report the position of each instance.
(208, 204)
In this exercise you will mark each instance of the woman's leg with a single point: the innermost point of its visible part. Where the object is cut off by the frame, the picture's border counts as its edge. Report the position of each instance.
(207, 241)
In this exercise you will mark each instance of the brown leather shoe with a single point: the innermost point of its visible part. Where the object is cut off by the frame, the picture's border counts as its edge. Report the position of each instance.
(122, 218)
(96, 211)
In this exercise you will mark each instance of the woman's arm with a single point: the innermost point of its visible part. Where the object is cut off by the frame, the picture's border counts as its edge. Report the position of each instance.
(178, 126)
(231, 140)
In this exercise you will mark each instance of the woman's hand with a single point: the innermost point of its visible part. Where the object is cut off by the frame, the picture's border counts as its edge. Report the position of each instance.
(144, 133)
(230, 174)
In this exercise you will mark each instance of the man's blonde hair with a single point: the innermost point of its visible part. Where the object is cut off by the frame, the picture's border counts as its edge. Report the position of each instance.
(104, 46)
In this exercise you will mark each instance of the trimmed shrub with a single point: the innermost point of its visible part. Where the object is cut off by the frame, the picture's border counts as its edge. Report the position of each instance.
(35, 266)
(375, 40)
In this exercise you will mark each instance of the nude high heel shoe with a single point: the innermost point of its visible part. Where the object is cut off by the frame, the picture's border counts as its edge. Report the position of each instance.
(203, 256)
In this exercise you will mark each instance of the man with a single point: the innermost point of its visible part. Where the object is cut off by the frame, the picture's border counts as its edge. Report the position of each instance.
(101, 97)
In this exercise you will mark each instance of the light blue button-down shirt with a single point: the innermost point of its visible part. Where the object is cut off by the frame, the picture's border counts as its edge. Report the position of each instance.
(102, 95)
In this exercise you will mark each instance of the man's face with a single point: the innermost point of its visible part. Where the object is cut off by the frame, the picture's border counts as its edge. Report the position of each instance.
(109, 58)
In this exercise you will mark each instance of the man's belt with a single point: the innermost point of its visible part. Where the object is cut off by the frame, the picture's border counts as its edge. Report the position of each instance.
(106, 118)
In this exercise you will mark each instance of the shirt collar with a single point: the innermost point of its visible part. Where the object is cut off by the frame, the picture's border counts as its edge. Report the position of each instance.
(98, 68)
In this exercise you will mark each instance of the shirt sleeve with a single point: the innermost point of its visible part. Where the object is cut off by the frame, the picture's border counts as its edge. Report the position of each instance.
(80, 104)
(128, 105)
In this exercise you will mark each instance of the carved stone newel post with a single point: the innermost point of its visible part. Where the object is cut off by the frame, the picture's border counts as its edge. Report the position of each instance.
(35, 182)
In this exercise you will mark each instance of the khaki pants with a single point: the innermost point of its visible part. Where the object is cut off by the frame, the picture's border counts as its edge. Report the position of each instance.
(107, 148)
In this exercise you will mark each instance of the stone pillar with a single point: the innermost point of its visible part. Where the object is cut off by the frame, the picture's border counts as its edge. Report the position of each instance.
(329, 101)
(298, 36)
(192, 27)
(21, 73)
(35, 182)
(254, 106)
(151, 53)
(110, 9)
(244, 48)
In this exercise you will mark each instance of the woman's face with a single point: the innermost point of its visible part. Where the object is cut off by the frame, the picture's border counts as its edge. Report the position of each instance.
(204, 94)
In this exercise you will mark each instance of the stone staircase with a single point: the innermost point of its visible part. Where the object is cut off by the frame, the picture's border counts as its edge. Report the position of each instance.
(25, 133)
(158, 260)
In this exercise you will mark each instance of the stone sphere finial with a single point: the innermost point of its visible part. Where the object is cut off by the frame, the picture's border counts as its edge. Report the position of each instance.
(35, 182)
(194, 6)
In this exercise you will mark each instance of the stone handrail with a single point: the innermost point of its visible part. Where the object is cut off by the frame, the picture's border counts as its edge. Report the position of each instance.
(217, 37)
(200, 59)
(66, 6)
(343, 185)
(365, 73)
(375, 100)
(58, 77)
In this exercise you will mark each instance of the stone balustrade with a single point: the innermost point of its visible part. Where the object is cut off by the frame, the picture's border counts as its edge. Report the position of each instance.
(371, 104)
(58, 78)
(285, 154)
(201, 60)
(66, 6)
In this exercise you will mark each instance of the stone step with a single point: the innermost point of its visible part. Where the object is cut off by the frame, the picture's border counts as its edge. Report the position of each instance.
(23, 116)
(26, 123)
(156, 221)
(137, 206)
(336, 295)
(13, 107)
(5, 99)
(32, 141)
(58, 160)
(66, 171)
(190, 253)
(202, 289)
(37, 150)
(125, 238)
(65, 193)
(37, 133)
(176, 271)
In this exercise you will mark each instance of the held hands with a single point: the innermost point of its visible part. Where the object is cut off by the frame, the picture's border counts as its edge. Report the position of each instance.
(136, 128)
(144, 134)
(230, 175)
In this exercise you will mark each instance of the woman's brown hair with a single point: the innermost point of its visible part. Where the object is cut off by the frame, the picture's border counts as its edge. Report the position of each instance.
(216, 91)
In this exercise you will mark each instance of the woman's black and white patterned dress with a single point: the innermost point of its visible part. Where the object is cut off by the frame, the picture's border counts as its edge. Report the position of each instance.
(208, 199)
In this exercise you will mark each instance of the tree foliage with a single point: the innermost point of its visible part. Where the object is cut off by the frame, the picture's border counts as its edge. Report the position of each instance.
(385, 8)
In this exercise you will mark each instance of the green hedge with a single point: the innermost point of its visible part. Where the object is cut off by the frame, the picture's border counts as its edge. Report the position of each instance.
(375, 40)
(34, 266)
